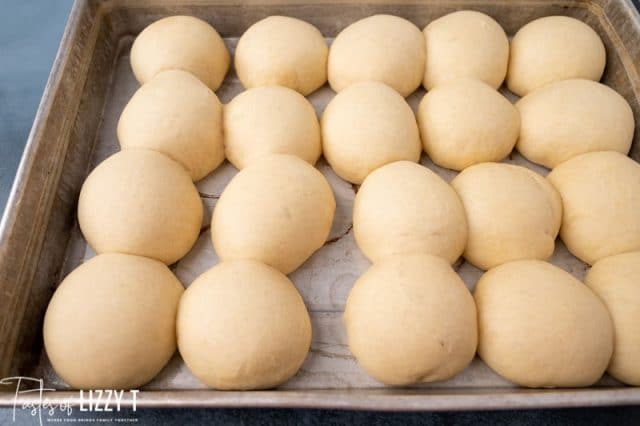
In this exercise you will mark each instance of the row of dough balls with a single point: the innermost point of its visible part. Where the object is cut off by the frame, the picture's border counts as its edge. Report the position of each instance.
(411, 225)
(495, 212)
(459, 124)
(112, 323)
(116, 320)
(383, 48)
(410, 319)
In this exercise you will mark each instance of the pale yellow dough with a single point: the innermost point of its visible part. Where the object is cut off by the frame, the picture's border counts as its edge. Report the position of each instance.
(601, 197)
(541, 327)
(554, 48)
(270, 120)
(513, 213)
(367, 126)
(175, 114)
(465, 44)
(111, 322)
(278, 211)
(140, 202)
(242, 325)
(382, 48)
(180, 42)
(616, 280)
(465, 122)
(571, 117)
(410, 319)
(404, 207)
(283, 51)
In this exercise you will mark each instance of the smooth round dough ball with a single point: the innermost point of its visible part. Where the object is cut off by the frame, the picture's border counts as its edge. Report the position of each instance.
(242, 325)
(140, 202)
(616, 280)
(410, 319)
(365, 127)
(465, 122)
(601, 198)
(571, 117)
(512, 212)
(270, 120)
(541, 327)
(554, 48)
(282, 51)
(465, 44)
(180, 42)
(278, 211)
(175, 114)
(111, 322)
(382, 48)
(404, 207)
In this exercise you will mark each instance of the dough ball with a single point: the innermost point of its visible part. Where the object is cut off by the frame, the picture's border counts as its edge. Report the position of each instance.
(512, 212)
(410, 319)
(382, 48)
(278, 211)
(111, 322)
(601, 198)
(180, 42)
(404, 207)
(140, 202)
(465, 122)
(175, 114)
(554, 48)
(616, 280)
(571, 117)
(367, 126)
(282, 51)
(465, 44)
(271, 120)
(242, 325)
(541, 327)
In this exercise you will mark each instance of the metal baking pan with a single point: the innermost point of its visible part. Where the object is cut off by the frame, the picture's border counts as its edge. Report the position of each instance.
(74, 129)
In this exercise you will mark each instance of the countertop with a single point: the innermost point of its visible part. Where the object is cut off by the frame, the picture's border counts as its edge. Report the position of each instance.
(30, 31)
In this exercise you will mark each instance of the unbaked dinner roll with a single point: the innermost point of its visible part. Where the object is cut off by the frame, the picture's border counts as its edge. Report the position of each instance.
(410, 319)
(404, 207)
(616, 280)
(111, 322)
(270, 120)
(180, 42)
(383, 48)
(464, 122)
(541, 327)
(601, 198)
(465, 44)
(140, 202)
(563, 119)
(513, 213)
(242, 325)
(367, 126)
(176, 114)
(554, 48)
(278, 210)
(283, 51)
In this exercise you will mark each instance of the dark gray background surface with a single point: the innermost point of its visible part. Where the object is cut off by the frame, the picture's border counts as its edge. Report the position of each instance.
(30, 31)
